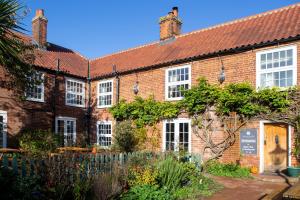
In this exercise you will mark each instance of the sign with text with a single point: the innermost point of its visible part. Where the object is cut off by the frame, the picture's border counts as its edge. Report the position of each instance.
(248, 141)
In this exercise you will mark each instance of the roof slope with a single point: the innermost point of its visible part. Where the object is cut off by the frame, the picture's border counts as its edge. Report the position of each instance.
(70, 62)
(269, 26)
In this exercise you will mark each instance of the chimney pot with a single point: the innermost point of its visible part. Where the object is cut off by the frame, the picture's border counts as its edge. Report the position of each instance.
(39, 12)
(175, 11)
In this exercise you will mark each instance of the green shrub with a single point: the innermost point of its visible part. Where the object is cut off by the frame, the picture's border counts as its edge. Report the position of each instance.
(147, 192)
(142, 176)
(124, 138)
(172, 174)
(39, 142)
(230, 170)
(14, 187)
(198, 186)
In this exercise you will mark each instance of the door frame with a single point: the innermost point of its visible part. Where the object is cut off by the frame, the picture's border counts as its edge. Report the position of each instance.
(261, 144)
(177, 121)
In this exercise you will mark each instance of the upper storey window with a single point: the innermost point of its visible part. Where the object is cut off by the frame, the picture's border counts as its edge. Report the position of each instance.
(178, 79)
(36, 92)
(75, 92)
(277, 67)
(105, 94)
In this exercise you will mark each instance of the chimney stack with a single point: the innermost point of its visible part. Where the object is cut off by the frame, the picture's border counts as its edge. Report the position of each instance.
(170, 25)
(39, 28)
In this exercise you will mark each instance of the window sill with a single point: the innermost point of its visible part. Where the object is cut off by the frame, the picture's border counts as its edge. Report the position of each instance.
(75, 105)
(174, 99)
(103, 107)
(35, 100)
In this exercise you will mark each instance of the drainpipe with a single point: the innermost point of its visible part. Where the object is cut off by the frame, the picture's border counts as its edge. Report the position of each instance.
(54, 94)
(88, 114)
(115, 73)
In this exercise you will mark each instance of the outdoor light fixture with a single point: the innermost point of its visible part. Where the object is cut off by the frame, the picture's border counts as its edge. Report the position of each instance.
(221, 77)
(136, 88)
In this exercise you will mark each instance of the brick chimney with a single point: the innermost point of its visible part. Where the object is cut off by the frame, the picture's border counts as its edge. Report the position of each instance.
(39, 28)
(170, 25)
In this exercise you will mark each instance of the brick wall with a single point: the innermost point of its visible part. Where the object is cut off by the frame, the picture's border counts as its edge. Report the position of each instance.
(239, 67)
(23, 114)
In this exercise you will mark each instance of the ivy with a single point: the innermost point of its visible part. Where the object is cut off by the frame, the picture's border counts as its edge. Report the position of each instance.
(240, 98)
(144, 111)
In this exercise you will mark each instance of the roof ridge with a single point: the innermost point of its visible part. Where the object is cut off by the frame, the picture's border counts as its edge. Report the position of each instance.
(205, 29)
(242, 19)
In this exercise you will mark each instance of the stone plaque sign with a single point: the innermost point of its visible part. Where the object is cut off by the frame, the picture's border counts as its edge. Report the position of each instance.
(248, 141)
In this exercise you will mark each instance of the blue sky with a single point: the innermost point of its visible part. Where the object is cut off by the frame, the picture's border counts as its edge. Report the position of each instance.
(96, 28)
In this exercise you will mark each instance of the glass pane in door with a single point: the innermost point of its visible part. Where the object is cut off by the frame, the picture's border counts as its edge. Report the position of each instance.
(170, 136)
(184, 136)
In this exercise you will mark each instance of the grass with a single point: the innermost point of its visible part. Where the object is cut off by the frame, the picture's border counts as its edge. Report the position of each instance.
(228, 170)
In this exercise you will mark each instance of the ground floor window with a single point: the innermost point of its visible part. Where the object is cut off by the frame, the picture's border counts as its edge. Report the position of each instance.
(104, 133)
(177, 135)
(66, 126)
(3, 129)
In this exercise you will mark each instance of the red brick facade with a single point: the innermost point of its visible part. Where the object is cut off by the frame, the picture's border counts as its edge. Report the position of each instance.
(239, 66)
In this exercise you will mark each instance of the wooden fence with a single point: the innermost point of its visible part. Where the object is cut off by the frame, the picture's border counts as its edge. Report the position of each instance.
(83, 165)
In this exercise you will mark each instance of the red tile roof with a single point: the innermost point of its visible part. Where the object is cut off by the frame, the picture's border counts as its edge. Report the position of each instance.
(270, 26)
(70, 62)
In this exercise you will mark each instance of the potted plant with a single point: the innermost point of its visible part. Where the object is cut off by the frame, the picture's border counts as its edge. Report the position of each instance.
(294, 171)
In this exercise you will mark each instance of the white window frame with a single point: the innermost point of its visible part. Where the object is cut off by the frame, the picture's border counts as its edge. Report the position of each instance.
(42, 99)
(98, 135)
(106, 93)
(83, 92)
(259, 71)
(4, 115)
(176, 136)
(65, 119)
(167, 84)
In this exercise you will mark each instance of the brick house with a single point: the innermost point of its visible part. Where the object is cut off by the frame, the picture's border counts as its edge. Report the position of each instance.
(76, 93)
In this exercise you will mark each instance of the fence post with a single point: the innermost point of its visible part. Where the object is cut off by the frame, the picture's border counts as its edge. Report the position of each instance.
(31, 167)
(5, 161)
(121, 158)
(23, 167)
(15, 165)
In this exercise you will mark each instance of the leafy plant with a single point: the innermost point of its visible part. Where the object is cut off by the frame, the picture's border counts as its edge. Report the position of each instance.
(142, 176)
(14, 187)
(16, 56)
(144, 111)
(39, 142)
(147, 192)
(172, 174)
(230, 170)
(124, 138)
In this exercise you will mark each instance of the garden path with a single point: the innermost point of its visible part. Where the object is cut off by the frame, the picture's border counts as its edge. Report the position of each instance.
(245, 189)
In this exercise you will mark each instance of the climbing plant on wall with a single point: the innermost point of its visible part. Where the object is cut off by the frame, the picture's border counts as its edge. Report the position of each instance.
(229, 108)
(212, 106)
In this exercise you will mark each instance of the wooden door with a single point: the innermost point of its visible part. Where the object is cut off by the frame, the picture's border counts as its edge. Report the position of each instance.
(275, 147)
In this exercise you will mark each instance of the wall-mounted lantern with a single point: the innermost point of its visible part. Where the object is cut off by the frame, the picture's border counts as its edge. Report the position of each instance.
(221, 77)
(136, 88)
